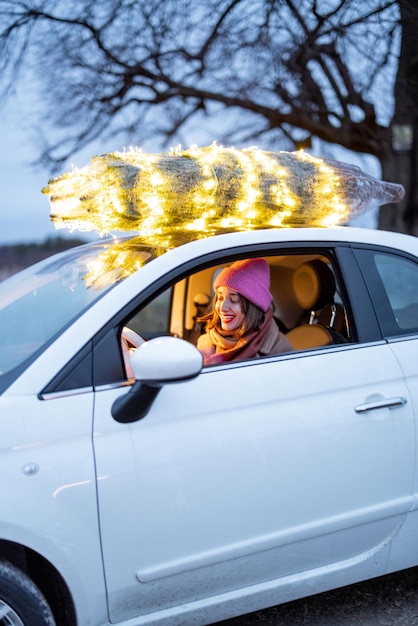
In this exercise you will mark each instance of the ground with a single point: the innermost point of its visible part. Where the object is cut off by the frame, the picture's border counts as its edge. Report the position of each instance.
(387, 601)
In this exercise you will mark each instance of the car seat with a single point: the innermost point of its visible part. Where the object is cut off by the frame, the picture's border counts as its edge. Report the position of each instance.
(314, 286)
(201, 302)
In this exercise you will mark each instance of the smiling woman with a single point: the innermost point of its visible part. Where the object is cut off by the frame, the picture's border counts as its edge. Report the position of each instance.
(241, 325)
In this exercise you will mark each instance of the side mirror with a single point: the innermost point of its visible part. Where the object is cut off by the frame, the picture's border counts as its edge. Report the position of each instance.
(166, 360)
(155, 363)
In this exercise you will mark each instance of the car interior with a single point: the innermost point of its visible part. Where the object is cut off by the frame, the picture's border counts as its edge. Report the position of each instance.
(307, 304)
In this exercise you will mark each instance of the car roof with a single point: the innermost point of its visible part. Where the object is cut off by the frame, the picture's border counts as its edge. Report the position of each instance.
(346, 234)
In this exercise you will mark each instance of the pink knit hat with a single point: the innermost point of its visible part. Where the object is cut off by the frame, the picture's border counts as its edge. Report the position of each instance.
(250, 278)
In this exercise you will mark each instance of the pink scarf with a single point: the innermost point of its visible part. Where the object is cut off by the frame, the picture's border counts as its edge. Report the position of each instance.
(218, 347)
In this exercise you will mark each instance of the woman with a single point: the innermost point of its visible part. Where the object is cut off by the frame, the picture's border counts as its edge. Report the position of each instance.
(241, 325)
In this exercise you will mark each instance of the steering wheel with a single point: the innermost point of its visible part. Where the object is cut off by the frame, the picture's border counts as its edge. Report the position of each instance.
(131, 338)
(130, 342)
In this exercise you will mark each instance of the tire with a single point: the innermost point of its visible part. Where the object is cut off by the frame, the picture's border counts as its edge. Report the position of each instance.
(21, 602)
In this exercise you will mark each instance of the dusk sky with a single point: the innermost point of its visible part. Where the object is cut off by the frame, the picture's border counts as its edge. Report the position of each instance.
(24, 212)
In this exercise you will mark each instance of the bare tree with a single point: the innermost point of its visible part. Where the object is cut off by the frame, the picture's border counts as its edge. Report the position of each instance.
(273, 72)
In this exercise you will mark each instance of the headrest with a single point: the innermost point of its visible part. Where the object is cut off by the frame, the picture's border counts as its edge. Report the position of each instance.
(313, 285)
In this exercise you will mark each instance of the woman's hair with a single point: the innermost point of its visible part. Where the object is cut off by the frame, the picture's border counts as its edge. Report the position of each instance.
(253, 317)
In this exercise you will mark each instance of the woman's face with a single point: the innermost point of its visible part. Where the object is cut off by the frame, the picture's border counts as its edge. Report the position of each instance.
(228, 307)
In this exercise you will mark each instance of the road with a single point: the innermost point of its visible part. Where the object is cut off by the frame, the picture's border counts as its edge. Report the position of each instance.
(387, 601)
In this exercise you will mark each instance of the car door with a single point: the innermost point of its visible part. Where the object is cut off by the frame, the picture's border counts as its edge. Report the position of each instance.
(392, 279)
(266, 472)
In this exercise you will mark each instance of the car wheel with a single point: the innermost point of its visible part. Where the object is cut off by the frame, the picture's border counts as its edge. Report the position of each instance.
(21, 602)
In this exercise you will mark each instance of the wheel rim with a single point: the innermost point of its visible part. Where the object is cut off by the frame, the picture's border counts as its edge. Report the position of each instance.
(8, 616)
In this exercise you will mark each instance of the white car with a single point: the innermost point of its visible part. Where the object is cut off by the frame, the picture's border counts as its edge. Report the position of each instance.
(139, 487)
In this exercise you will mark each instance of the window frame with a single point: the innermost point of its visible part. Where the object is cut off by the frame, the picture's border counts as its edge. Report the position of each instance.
(378, 293)
(108, 364)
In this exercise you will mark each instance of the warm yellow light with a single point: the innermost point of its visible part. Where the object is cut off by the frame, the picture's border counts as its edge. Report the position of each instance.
(115, 263)
(209, 190)
(199, 225)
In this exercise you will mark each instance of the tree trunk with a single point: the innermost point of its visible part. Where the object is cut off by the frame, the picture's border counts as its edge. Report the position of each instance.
(400, 163)
(401, 167)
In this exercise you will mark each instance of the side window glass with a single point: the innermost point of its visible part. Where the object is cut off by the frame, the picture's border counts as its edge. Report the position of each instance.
(399, 278)
(154, 319)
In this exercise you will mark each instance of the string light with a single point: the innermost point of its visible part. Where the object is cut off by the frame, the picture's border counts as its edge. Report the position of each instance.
(204, 191)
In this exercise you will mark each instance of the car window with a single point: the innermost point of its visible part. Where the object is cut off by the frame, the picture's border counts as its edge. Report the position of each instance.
(37, 304)
(392, 281)
(177, 310)
(154, 319)
(399, 279)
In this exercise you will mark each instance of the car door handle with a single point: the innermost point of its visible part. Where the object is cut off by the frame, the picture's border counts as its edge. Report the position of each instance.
(386, 403)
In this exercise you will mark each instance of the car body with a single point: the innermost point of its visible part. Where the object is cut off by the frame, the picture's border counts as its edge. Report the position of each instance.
(142, 488)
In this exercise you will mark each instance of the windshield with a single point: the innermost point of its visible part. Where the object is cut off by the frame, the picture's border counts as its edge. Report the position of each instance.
(38, 303)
